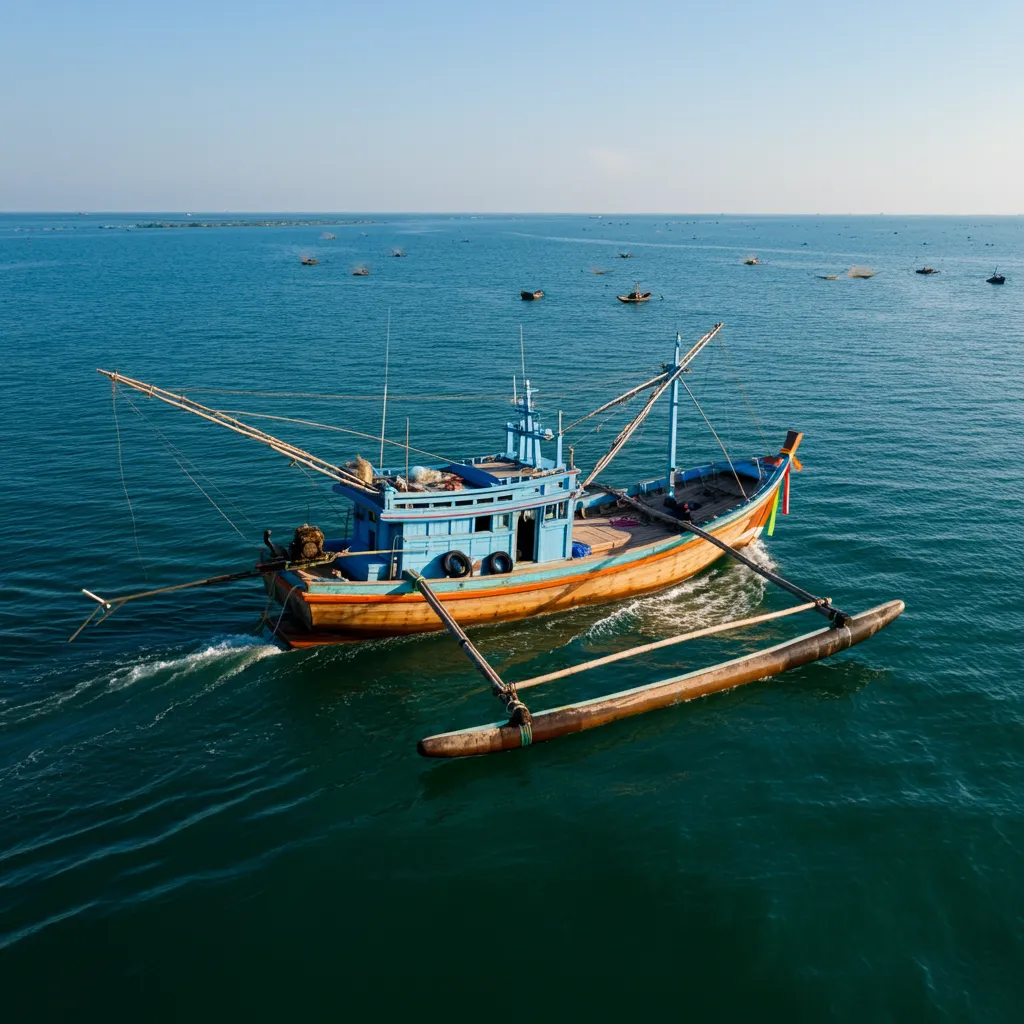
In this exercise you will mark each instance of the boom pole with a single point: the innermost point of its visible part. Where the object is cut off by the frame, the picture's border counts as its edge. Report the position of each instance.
(292, 452)
(669, 377)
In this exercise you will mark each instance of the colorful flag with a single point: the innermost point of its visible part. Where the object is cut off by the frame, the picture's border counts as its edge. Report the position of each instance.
(775, 508)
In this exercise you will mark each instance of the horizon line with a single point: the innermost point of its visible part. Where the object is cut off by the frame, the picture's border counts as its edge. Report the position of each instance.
(481, 213)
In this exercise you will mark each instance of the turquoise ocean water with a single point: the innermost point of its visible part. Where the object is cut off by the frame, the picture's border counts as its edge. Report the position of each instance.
(195, 824)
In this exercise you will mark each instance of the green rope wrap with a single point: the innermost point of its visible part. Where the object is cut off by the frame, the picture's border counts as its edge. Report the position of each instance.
(525, 735)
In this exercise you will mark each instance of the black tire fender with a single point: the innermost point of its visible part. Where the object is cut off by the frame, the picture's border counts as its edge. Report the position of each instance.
(499, 563)
(456, 564)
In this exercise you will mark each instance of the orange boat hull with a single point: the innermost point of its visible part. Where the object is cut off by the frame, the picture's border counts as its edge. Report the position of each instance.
(320, 617)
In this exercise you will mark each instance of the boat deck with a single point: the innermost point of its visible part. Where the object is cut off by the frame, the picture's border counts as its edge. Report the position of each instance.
(616, 530)
(619, 529)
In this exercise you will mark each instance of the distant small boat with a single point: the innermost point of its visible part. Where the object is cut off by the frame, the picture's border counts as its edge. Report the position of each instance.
(530, 296)
(829, 277)
(397, 253)
(596, 271)
(635, 295)
(328, 237)
(752, 261)
(926, 270)
(361, 272)
(625, 255)
(309, 261)
(862, 272)
(996, 277)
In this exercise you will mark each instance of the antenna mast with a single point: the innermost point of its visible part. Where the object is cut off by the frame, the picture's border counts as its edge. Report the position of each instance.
(384, 409)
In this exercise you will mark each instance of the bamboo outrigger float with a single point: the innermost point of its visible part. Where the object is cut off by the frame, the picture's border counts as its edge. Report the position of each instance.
(518, 534)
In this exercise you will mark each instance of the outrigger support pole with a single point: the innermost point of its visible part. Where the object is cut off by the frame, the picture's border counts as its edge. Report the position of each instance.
(518, 712)
(821, 604)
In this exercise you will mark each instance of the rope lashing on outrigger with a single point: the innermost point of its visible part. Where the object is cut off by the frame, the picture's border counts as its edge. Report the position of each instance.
(518, 712)
(821, 604)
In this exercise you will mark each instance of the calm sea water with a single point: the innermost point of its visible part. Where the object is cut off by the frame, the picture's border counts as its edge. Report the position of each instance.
(195, 823)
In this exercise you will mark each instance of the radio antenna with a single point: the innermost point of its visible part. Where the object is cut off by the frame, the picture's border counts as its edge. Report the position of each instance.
(384, 408)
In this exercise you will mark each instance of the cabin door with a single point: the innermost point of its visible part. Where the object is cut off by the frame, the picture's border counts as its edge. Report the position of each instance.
(526, 536)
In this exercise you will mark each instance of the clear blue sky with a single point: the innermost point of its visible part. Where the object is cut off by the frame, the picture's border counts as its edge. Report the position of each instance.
(764, 107)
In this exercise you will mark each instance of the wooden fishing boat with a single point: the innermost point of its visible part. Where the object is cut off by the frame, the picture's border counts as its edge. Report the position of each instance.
(625, 255)
(521, 533)
(752, 261)
(361, 272)
(309, 261)
(926, 270)
(996, 278)
(531, 296)
(635, 295)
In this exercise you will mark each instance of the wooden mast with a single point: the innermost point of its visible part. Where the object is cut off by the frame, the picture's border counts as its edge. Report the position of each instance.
(627, 431)
(673, 424)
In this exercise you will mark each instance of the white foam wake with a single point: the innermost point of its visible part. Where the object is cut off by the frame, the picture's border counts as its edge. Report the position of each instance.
(239, 651)
(728, 592)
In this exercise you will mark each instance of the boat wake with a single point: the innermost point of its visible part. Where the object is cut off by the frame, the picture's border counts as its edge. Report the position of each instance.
(239, 651)
(726, 592)
(225, 656)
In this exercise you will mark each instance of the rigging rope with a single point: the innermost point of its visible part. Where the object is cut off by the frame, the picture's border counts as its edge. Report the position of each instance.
(181, 465)
(617, 401)
(717, 438)
(329, 426)
(743, 392)
(331, 500)
(120, 466)
(227, 499)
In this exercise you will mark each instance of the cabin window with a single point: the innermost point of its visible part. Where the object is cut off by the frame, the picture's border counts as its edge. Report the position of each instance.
(482, 524)
(442, 504)
(504, 497)
(484, 501)
(503, 521)
(555, 511)
(465, 502)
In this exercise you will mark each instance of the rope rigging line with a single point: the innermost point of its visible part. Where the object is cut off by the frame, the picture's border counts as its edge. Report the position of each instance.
(120, 466)
(330, 499)
(290, 451)
(329, 426)
(743, 392)
(181, 465)
(172, 447)
(670, 376)
(717, 438)
(632, 393)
